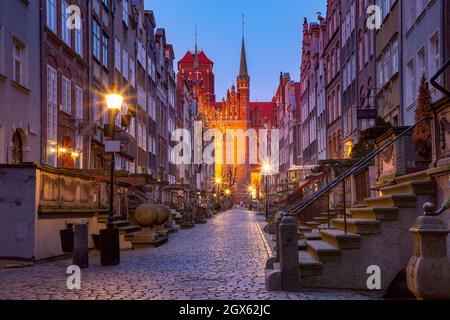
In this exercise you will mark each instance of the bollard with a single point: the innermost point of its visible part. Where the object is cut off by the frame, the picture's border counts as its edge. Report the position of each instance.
(80, 245)
(428, 271)
(278, 217)
(290, 275)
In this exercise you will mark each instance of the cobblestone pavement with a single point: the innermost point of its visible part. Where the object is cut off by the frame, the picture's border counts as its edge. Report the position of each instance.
(223, 259)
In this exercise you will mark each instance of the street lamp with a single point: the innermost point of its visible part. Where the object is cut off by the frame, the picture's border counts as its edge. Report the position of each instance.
(266, 168)
(227, 192)
(218, 182)
(109, 237)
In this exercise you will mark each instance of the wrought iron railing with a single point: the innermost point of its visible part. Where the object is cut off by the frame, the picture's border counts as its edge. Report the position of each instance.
(362, 164)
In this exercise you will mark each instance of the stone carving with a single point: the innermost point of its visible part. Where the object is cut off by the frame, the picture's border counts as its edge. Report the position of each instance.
(428, 271)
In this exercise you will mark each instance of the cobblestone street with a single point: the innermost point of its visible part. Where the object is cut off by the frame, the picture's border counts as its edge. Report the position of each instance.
(223, 259)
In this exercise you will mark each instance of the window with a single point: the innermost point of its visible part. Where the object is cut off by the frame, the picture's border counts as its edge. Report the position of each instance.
(117, 56)
(410, 83)
(18, 63)
(367, 46)
(333, 64)
(434, 54)
(361, 53)
(421, 63)
(105, 49)
(125, 12)
(51, 15)
(125, 69)
(380, 74)
(394, 57)
(65, 31)
(387, 61)
(387, 7)
(79, 39)
(96, 47)
(66, 96)
(78, 102)
(79, 147)
(96, 107)
(52, 100)
(52, 116)
(132, 72)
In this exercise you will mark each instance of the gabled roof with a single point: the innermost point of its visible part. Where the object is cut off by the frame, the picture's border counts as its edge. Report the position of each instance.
(267, 110)
(189, 57)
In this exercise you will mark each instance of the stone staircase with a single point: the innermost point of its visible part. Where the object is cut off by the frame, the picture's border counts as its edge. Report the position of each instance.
(126, 230)
(377, 235)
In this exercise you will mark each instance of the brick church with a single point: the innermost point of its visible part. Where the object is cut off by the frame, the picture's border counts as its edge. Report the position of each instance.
(235, 111)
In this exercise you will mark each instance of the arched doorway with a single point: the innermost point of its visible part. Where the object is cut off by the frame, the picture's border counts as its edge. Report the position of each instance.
(17, 148)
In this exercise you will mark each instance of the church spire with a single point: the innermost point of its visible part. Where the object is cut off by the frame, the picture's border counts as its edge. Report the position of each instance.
(243, 72)
(196, 64)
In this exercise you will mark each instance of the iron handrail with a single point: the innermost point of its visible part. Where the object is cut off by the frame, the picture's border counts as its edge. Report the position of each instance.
(361, 164)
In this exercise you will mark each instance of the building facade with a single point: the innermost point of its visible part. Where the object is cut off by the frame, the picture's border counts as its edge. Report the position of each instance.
(422, 54)
(387, 47)
(333, 80)
(20, 85)
(309, 92)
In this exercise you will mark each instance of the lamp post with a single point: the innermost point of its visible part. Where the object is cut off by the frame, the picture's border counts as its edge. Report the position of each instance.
(109, 237)
(218, 182)
(266, 170)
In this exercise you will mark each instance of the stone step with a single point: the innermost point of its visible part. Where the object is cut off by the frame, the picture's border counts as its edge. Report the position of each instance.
(313, 236)
(122, 223)
(393, 200)
(309, 266)
(321, 219)
(312, 224)
(332, 214)
(323, 251)
(301, 245)
(375, 213)
(129, 229)
(340, 239)
(422, 175)
(130, 236)
(410, 187)
(303, 229)
(104, 218)
(358, 226)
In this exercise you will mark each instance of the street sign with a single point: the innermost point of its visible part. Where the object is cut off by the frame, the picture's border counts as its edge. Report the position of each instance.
(112, 146)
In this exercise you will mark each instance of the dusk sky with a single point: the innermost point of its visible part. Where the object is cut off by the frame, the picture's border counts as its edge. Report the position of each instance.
(272, 34)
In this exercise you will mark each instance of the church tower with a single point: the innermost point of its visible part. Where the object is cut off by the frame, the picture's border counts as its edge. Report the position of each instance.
(243, 83)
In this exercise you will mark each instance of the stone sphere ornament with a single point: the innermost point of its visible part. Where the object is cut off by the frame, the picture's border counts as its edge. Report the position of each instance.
(163, 214)
(146, 215)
